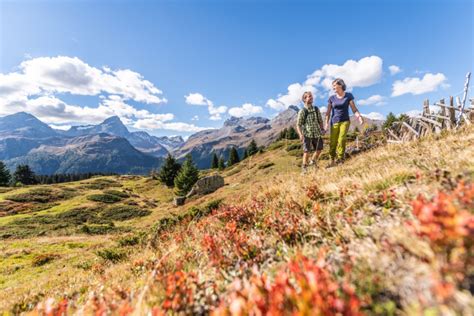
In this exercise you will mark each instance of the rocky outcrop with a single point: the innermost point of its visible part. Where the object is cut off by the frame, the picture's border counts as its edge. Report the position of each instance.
(206, 185)
(179, 200)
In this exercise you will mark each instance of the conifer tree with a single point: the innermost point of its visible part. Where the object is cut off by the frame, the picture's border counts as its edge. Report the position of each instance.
(187, 177)
(169, 171)
(24, 175)
(215, 161)
(233, 157)
(221, 163)
(5, 176)
(252, 148)
(292, 134)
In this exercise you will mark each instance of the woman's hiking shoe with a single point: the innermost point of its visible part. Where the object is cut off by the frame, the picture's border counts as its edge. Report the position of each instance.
(313, 163)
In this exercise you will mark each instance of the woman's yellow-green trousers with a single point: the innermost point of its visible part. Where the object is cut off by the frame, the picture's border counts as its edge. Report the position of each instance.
(337, 144)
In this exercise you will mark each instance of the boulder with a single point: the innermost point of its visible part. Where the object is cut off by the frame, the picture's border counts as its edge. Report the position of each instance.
(179, 200)
(206, 185)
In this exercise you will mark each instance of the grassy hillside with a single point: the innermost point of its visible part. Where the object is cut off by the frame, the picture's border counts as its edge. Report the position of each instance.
(391, 231)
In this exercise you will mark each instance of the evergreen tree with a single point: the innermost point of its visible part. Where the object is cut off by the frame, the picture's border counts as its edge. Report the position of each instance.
(233, 157)
(245, 154)
(5, 176)
(169, 171)
(215, 161)
(283, 134)
(252, 148)
(221, 163)
(292, 134)
(403, 117)
(187, 177)
(24, 175)
(391, 118)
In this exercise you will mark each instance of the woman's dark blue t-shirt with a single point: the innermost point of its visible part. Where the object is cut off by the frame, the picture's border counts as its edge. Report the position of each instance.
(340, 107)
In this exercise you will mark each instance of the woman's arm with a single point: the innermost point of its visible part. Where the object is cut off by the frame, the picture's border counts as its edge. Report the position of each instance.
(328, 115)
(356, 112)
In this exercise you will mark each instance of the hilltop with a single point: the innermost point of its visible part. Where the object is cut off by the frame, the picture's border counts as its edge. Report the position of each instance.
(117, 243)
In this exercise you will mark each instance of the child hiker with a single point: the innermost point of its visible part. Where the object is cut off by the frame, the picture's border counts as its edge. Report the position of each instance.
(310, 129)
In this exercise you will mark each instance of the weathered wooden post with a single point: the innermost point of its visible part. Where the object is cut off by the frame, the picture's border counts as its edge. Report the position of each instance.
(443, 114)
(452, 113)
(463, 103)
(426, 107)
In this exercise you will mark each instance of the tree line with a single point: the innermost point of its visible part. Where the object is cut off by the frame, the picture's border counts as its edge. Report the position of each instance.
(221, 164)
(24, 175)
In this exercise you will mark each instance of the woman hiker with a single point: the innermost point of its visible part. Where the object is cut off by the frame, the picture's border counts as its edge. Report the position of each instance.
(338, 115)
(310, 129)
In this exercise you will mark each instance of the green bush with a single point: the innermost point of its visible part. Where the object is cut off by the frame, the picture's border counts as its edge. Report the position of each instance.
(293, 147)
(132, 240)
(41, 195)
(113, 255)
(43, 259)
(266, 165)
(124, 212)
(117, 193)
(98, 229)
(104, 198)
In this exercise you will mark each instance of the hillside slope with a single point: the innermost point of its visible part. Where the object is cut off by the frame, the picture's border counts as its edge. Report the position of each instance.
(356, 228)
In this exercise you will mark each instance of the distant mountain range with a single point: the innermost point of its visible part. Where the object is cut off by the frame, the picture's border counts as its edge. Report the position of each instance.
(106, 147)
(239, 132)
(111, 147)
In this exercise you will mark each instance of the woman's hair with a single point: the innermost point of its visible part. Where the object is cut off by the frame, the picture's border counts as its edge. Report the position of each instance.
(340, 82)
(305, 94)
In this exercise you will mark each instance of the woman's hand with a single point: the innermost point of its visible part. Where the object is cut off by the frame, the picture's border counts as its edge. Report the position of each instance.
(361, 120)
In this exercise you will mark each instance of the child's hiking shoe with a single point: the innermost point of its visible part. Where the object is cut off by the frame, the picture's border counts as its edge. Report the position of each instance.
(304, 169)
(313, 163)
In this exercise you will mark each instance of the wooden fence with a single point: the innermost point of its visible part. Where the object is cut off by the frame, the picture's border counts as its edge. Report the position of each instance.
(447, 117)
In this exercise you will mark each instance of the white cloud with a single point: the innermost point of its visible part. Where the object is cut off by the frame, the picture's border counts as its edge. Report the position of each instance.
(246, 109)
(413, 113)
(430, 82)
(195, 118)
(62, 74)
(199, 99)
(60, 127)
(362, 73)
(38, 81)
(376, 100)
(292, 97)
(394, 69)
(374, 116)
(151, 124)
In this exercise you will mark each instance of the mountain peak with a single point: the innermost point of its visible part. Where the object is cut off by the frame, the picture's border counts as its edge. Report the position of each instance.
(25, 124)
(113, 119)
(294, 107)
(232, 121)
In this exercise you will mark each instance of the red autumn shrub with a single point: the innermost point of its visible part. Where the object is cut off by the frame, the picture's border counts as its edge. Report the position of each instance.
(226, 247)
(448, 223)
(303, 287)
(185, 293)
(290, 227)
(445, 220)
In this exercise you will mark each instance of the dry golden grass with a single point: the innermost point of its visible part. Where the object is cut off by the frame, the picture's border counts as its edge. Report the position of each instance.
(77, 269)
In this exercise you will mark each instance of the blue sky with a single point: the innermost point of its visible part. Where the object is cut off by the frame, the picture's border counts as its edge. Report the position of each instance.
(77, 62)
